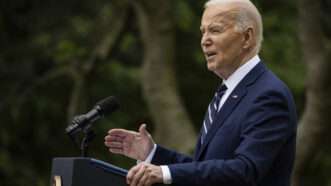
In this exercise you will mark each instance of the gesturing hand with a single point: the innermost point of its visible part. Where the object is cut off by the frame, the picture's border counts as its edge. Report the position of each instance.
(136, 145)
(144, 174)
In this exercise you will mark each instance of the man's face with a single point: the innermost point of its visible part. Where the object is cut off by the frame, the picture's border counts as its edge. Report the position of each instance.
(220, 42)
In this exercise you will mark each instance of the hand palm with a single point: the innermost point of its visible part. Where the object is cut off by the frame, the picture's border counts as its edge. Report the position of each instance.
(136, 145)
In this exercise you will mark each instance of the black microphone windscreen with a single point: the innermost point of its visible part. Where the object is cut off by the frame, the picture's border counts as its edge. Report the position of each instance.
(108, 104)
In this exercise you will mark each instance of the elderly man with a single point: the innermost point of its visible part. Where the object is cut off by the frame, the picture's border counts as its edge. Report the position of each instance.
(249, 130)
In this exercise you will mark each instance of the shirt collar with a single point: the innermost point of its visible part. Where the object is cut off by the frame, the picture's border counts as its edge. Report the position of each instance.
(240, 73)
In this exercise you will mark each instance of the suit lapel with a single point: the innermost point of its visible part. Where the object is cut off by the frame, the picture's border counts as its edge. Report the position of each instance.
(225, 111)
(197, 147)
(232, 101)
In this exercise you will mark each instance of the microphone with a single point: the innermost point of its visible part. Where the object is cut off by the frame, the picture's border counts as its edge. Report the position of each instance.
(103, 107)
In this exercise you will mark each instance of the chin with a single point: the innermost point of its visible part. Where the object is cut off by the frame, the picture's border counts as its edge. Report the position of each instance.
(211, 67)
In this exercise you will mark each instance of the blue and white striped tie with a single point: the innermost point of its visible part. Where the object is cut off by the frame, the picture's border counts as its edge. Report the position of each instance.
(212, 110)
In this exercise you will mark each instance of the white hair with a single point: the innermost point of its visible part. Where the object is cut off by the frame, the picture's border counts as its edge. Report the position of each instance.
(246, 17)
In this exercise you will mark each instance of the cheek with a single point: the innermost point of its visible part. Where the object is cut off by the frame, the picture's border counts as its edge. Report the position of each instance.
(232, 49)
(223, 47)
(236, 44)
(220, 56)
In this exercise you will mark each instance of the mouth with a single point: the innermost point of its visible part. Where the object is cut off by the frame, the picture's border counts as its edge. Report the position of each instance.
(210, 55)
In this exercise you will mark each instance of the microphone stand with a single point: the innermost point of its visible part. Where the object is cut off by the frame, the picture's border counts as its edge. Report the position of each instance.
(89, 135)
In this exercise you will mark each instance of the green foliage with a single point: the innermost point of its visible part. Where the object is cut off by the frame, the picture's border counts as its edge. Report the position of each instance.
(281, 50)
(185, 16)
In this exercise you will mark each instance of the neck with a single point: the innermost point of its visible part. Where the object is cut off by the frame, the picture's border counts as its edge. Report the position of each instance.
(242, 60)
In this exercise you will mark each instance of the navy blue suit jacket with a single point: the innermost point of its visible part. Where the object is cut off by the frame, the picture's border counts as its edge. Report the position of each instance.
(252, 141)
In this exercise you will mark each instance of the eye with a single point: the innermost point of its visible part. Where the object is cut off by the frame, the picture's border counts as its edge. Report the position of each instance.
(216, 30)
(202, 31)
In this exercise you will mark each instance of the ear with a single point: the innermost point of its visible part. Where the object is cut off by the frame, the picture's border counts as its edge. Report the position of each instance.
(249, 38)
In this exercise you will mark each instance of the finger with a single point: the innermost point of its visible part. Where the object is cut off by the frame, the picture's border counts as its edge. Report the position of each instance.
(117, 131)
(139, 174)
(109, 139)
(120, 132)
(131, 173)
(114, 138)
(116, 151)
(142, 181)
(114, 145)
(143, 131)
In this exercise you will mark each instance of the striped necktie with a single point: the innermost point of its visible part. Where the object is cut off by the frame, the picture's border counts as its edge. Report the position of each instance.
(212, 110)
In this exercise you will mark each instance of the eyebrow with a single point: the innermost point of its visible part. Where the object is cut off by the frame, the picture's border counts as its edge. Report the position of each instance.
(227, 15)
(215, 24)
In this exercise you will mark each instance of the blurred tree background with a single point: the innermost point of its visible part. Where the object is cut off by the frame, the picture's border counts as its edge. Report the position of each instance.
(58, 58)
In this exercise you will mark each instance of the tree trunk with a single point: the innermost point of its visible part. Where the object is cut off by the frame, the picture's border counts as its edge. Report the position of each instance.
(172, 123)
(113, 26)
(314, 125)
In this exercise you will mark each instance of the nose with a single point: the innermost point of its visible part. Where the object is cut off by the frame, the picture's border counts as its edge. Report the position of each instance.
(205, 40)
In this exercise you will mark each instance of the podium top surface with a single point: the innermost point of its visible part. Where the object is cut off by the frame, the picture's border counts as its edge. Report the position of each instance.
(99, 164)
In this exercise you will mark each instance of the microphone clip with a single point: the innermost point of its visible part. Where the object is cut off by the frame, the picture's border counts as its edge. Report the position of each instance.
(81, 124)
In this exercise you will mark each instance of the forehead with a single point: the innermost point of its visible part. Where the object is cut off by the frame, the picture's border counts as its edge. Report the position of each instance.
(224, 13)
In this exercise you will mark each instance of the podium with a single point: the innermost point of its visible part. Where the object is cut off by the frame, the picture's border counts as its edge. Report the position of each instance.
(86, 172)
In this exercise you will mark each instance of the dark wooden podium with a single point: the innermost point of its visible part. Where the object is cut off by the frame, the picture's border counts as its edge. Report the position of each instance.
(86, 172)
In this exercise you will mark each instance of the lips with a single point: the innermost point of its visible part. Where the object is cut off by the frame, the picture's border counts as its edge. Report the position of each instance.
(210, 55)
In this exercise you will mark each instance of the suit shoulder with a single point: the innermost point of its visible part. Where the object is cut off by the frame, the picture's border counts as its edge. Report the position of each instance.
(269, 81)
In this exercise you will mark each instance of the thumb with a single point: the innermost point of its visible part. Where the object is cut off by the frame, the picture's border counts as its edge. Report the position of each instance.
(143, 131)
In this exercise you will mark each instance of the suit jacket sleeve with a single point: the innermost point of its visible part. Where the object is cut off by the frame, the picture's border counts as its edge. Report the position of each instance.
(267, 126)
(165, 156)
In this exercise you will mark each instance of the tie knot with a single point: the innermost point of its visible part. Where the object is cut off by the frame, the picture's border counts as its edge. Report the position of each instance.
(221, 89)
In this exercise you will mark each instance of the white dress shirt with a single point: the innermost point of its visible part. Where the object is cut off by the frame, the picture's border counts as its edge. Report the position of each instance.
(231, 84)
